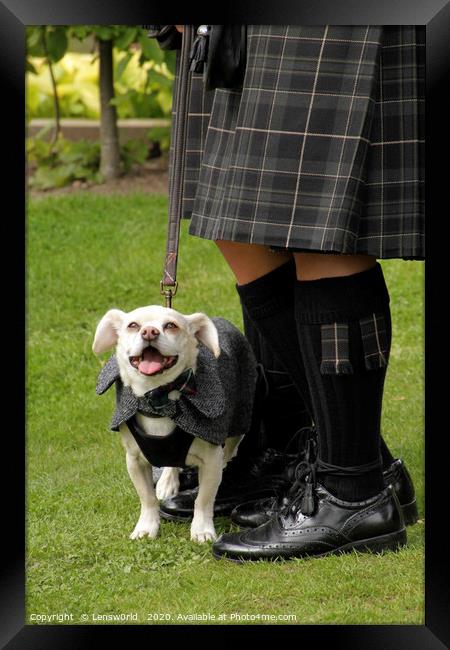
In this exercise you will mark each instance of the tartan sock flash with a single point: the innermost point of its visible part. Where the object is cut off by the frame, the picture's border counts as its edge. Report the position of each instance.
(344, 332)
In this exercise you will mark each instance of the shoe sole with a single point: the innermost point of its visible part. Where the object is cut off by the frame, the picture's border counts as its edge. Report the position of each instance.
(391, 542)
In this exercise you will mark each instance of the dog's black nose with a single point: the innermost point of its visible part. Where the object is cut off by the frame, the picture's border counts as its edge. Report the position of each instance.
(150, 333)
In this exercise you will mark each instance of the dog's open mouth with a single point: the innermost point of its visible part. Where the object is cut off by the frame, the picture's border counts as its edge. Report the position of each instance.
(152, 362)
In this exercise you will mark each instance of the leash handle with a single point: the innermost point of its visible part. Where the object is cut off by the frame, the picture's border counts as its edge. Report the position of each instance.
(169, 284)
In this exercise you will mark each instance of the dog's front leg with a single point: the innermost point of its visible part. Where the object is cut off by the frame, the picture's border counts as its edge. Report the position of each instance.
(140, 472)
(230, 448)
(209, 459)
(168, 483)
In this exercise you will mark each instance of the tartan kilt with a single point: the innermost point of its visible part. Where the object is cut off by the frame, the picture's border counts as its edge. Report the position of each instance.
(323, 148)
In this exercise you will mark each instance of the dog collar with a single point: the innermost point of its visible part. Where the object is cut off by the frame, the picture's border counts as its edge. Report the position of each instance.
(158, 398)
(203, 392)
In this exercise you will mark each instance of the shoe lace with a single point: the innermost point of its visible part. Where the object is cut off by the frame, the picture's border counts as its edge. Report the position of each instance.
(293, 467)
(259, 465)
(300, 439)
(303, 492)
(270, 456)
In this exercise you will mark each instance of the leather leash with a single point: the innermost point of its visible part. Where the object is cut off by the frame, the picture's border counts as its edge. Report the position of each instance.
(169, 284)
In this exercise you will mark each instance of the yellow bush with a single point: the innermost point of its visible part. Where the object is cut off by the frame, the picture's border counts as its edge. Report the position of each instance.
(141, 90)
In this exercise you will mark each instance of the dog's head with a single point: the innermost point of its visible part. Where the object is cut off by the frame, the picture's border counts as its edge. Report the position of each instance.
(154, 344)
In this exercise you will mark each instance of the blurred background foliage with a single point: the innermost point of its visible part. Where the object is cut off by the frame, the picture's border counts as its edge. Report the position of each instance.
(94, 72)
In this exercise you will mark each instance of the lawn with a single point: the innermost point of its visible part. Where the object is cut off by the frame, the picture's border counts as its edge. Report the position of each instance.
(85, 254)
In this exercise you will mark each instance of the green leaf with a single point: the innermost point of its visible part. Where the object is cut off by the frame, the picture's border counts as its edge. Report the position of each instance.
(64, 162)
(34, 35)
(125, 39)
(124, 61)
(104, 32)
(150, 49)
(133, 152)
(170, 60)
(30, 67)
(80, 31)
(45, 178)
(56, 43)
(164, 99)
(35, 44)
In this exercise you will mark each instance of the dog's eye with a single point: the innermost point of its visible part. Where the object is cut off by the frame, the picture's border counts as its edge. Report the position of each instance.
(133, 326)
(170, 326)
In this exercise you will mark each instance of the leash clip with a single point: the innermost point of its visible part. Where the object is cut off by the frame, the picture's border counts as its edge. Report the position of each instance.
(168, 292)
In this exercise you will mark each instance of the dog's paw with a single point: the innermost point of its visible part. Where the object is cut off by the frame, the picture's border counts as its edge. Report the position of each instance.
(204, 532)
(145, 529)
(201, 538)
(168, 484)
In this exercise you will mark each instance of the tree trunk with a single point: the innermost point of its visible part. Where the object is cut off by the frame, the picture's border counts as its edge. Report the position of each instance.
(110, 152)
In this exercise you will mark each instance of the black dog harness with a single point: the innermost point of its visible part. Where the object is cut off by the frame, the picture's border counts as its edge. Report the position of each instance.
(162, 451)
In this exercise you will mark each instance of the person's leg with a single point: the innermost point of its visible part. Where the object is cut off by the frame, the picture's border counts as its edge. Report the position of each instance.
(257, 471)
(283, 412)
(251, 261)
(264, 280)
(344, 331)
(315, 266)
(338, 501)
(265, 284)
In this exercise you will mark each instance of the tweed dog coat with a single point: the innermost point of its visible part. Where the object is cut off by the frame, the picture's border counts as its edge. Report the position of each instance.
(217, 405)
(322, 149)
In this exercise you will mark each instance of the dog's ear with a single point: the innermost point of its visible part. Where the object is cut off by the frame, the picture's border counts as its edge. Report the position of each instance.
(205, 330)
(106, 332)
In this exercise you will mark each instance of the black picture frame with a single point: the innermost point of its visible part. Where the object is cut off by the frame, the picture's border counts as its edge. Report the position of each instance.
(435, 15)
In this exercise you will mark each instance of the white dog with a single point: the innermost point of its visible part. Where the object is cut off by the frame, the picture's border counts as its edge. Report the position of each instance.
(154, 346)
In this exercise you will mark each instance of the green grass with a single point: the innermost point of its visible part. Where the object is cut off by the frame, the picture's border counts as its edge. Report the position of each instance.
(89, 253)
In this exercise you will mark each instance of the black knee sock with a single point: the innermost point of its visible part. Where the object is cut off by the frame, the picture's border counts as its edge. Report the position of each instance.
(268, 302)
(283, 411)
(386, 457)
(269, 324)
(344, 331)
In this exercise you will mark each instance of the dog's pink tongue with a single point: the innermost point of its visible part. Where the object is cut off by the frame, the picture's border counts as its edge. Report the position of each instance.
(152, 362)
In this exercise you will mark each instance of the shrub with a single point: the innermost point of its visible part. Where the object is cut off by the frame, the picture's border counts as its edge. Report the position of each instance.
(142, 89)
(58, 165)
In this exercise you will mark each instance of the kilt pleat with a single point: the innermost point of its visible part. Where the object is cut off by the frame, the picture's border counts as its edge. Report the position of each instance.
(321, 150)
